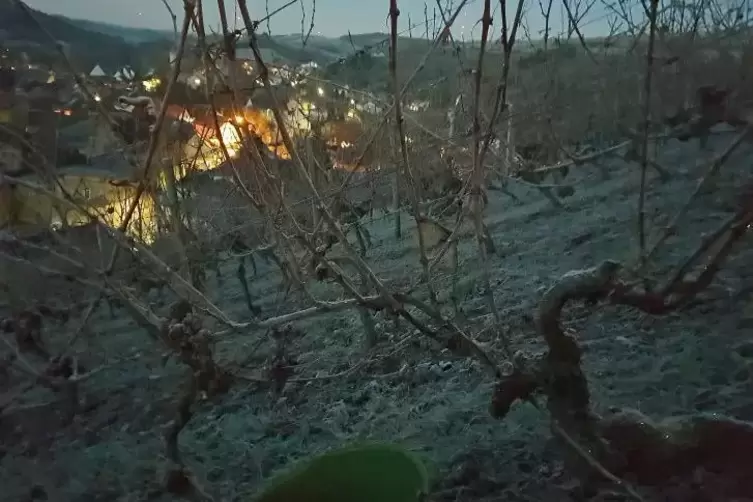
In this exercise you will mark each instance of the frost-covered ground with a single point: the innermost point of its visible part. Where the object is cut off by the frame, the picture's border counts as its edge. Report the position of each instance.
(698, 359)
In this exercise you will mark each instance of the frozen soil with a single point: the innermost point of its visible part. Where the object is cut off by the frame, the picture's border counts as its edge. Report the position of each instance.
(699, 359)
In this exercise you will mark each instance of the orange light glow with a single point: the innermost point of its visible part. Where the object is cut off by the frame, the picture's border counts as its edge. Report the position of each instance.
(230, 138)
(266, 129)
(251, 120)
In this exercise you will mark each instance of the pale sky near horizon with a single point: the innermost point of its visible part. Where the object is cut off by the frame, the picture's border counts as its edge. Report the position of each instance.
(333, 17)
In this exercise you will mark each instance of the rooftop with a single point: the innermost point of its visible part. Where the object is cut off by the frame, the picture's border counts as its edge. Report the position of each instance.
(112, 166)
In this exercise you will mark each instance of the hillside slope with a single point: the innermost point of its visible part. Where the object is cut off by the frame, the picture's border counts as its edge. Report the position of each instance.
(412, 391)
(87, 47)
(113, 45)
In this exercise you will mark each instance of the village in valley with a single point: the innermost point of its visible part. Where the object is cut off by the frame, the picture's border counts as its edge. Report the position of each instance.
(57, 118)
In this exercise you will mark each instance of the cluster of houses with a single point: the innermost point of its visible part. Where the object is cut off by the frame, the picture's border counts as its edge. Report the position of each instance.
(81, 132)
(33, 111)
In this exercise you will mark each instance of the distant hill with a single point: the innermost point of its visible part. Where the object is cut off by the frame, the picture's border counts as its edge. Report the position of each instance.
(290, 50)
(87, 47)
(326, 50)
(321, 49)
(366, 40)
(113, 46)
(130, 35)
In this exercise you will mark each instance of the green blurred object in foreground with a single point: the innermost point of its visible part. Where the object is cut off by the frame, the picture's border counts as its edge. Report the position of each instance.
(362, 473)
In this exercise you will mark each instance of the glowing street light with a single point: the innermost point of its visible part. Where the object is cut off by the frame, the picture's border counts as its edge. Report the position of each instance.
(151, 85)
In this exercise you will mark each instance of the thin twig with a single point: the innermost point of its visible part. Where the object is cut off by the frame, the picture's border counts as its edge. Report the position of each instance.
(399, 130)
(173, 18)
(508, 43)
(646, 125)
(712, 170)
(574, 24)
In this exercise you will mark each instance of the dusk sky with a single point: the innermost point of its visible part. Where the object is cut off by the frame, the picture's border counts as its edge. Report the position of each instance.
(333, 17)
